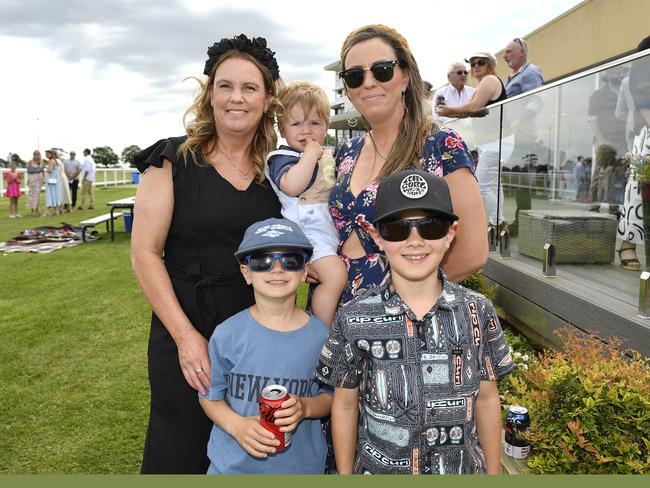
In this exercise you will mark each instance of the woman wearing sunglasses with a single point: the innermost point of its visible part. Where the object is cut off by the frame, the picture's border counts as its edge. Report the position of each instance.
(490, 89)
(383, 82)
(197, 196)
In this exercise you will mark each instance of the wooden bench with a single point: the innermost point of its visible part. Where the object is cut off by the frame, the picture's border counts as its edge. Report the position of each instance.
(98, 220)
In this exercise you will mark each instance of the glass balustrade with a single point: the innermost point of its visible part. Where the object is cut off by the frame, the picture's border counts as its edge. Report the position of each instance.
(552, 170)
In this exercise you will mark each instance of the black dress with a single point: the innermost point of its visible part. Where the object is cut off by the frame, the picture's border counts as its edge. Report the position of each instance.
(208, 223)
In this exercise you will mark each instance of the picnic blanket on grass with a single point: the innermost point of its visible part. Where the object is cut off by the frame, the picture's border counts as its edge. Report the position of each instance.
(47, 239)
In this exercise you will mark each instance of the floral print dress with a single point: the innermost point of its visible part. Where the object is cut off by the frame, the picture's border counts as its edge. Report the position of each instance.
(444, 153)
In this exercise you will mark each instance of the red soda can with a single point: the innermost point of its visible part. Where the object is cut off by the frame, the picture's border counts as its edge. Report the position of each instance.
(270, 400)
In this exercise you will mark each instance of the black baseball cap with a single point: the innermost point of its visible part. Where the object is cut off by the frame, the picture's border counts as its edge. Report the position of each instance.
(413, 189)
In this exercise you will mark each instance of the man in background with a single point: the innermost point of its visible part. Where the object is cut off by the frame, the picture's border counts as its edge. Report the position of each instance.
(88, 180)
(72, 169)
(456, 92)
(525, 75)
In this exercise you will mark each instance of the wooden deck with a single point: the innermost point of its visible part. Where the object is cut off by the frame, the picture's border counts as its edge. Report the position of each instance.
(600, 298)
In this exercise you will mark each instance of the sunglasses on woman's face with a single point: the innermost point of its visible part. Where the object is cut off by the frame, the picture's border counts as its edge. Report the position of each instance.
(382, 71)
(430, 228)
(264, 261)
(480, 62)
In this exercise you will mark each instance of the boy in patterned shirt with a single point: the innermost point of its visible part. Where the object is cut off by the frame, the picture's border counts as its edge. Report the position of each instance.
(421, 354)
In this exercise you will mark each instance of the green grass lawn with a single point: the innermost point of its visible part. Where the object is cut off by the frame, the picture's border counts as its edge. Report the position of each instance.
(73, 384)
(74, 395)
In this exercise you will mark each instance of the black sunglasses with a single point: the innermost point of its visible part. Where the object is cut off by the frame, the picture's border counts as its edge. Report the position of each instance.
(480, 62)
(518, 41)
(430, 228)
(264, 261)
(460, 72)
(382, 71)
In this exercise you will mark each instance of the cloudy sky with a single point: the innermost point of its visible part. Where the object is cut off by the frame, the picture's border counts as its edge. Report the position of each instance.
(87, 73)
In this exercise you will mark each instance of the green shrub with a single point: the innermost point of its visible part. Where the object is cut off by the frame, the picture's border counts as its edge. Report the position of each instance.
(589, 408)
(523, 354)
(476, 281)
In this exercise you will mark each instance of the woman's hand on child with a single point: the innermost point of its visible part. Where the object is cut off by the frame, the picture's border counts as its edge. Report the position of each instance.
(194, 360)
(253, 438)
(312, 276)
(293, 411)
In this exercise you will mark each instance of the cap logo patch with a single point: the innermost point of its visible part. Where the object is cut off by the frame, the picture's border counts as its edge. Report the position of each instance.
(273, 230)
(414, 186)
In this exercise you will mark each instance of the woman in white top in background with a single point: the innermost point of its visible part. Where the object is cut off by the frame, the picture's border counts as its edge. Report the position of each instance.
(64, 186)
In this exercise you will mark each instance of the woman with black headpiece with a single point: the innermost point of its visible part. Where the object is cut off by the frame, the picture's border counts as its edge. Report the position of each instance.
(197, 195)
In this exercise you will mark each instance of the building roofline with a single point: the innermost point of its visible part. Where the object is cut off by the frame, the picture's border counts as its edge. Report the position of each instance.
(550, 22)
(334, 66)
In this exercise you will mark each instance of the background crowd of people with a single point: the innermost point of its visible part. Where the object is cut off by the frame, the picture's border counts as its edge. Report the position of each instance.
(616, 116)
(60, 179)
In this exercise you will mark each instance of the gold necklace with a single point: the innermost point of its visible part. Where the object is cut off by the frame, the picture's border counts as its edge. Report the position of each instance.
(377, 153)
(242, 175)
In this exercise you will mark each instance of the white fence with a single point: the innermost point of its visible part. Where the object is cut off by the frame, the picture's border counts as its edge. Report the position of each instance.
(103, 177)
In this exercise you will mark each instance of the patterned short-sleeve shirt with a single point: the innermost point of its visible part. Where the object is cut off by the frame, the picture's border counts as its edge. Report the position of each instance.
(418, 380)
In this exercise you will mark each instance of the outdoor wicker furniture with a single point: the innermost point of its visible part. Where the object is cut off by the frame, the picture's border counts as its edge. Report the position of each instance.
(578, 236)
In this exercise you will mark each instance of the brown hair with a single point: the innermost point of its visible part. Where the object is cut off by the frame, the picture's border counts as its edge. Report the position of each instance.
(199, 119)
(415, 125)
(308, 96)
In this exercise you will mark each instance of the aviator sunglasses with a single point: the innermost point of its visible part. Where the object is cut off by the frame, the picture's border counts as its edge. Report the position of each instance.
(264, 261)
(382, 71)
(459, 73)
(430, 228)
(480, 62)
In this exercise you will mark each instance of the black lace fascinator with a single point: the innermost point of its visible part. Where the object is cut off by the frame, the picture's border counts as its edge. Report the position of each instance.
(256, 47)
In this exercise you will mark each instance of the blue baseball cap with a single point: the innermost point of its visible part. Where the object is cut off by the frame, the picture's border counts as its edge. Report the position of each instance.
(272, 233)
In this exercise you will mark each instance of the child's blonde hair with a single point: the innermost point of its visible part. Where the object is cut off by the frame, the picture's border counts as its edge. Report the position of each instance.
(308, 96)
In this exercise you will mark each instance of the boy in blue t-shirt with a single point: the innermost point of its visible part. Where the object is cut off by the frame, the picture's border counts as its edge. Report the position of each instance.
(272, 342)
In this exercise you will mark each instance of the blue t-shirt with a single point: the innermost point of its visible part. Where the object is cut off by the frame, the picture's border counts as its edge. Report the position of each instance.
(246, 357)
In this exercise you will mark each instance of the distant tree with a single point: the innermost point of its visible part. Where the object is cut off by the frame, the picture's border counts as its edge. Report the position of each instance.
(128, 153)
(105, 156)
(18, 160)
(3, 163)
(330, 140)
(531, 159)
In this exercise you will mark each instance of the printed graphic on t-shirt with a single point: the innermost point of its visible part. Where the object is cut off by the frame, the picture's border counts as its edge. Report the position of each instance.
(248, 387)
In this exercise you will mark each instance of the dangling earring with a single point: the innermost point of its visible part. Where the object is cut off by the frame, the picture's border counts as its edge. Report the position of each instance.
(352, 121)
